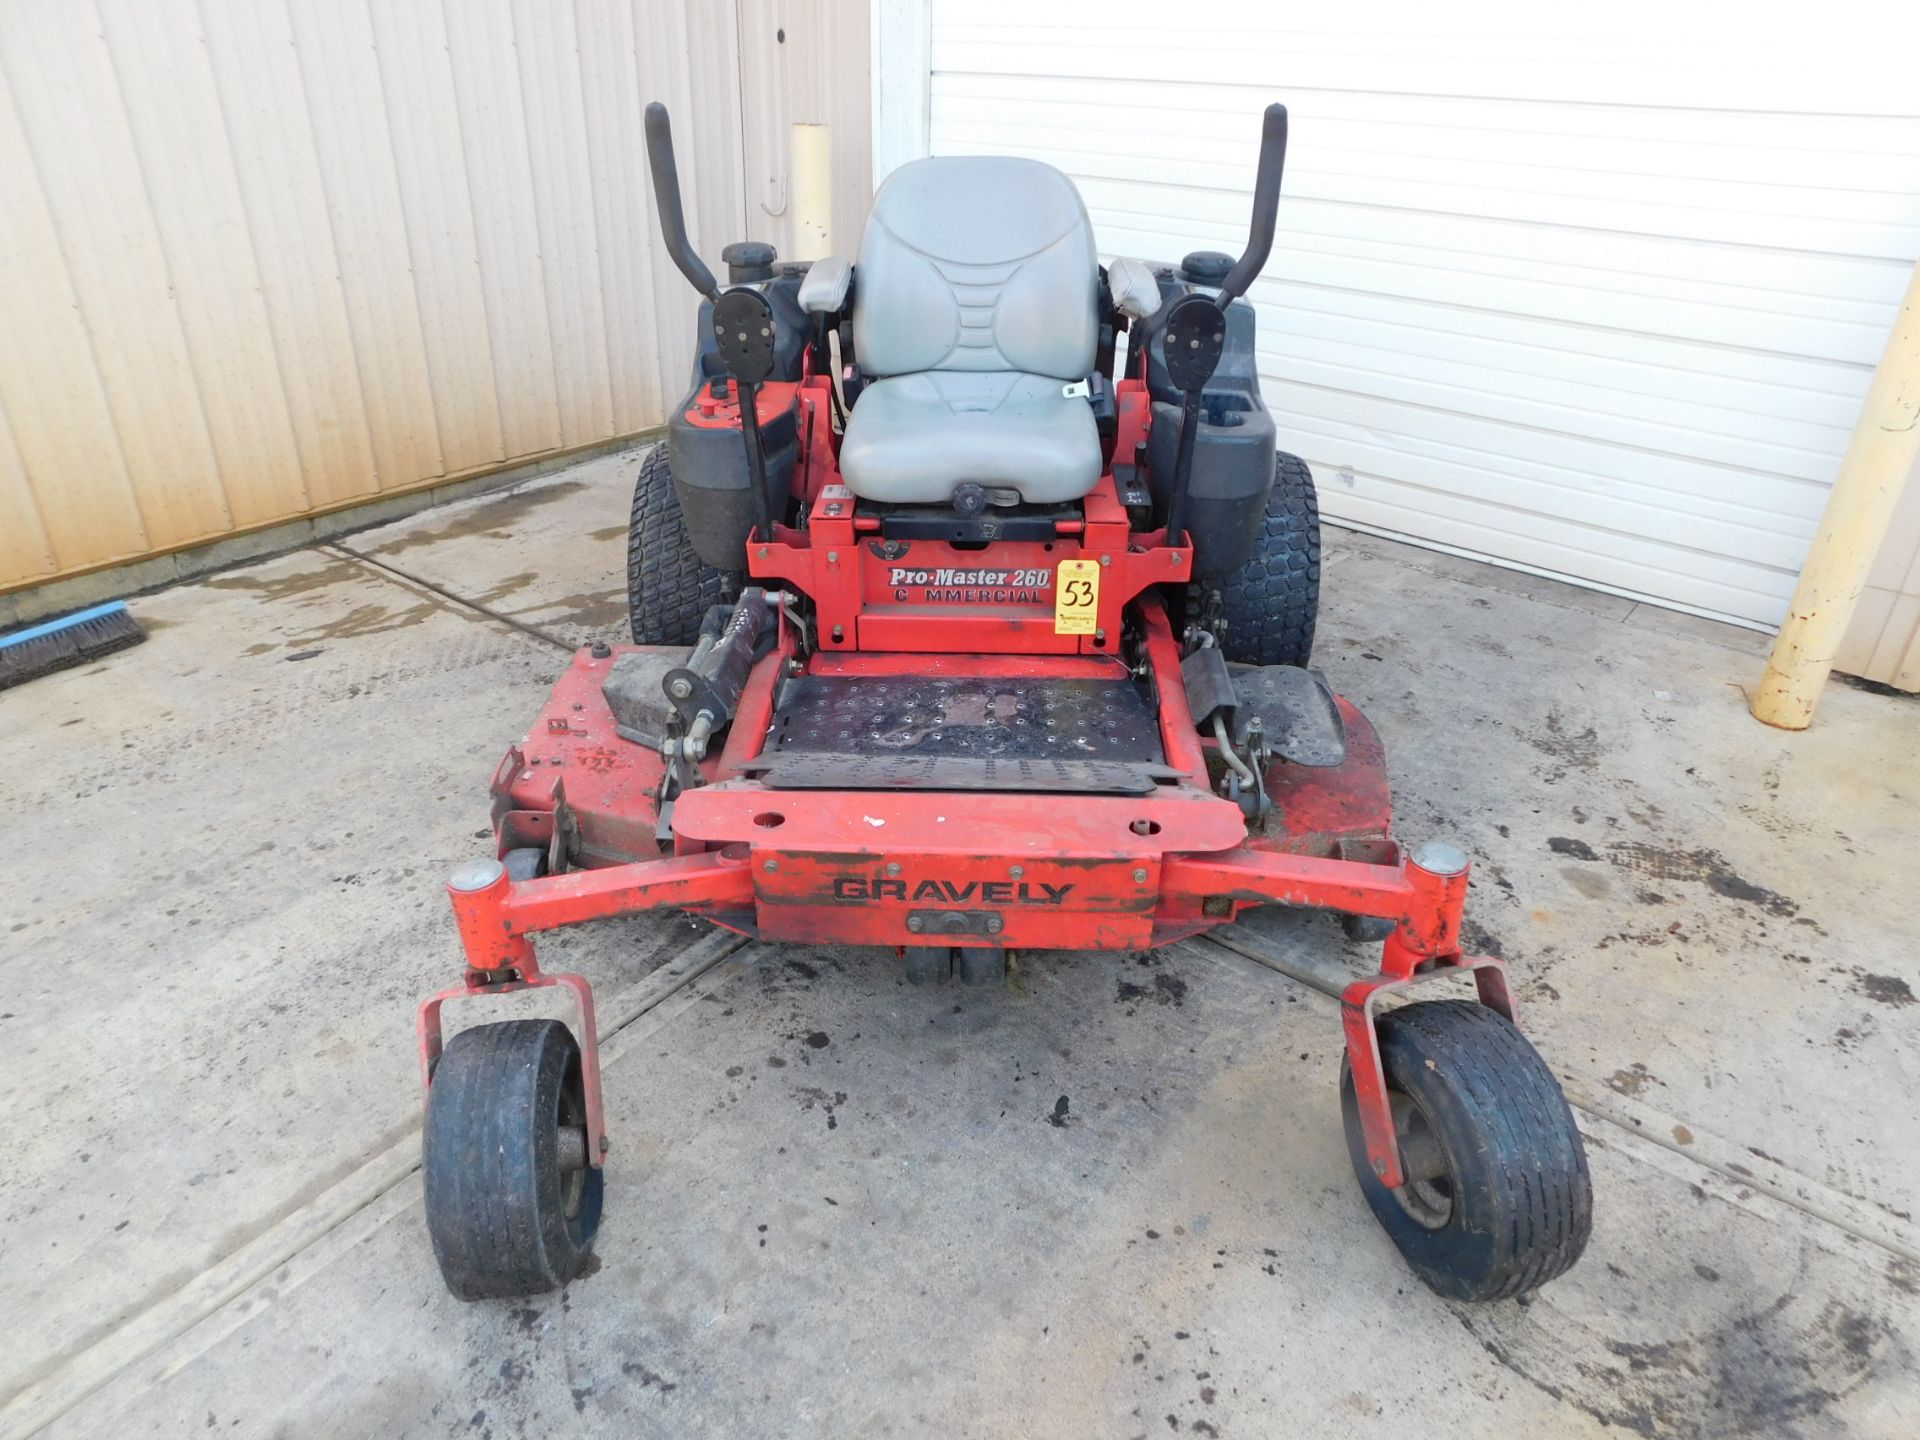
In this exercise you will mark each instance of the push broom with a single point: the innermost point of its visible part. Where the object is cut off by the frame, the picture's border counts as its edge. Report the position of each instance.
(71, 640)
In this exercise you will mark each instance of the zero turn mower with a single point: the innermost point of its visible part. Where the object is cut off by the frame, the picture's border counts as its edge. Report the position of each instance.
(988, 647)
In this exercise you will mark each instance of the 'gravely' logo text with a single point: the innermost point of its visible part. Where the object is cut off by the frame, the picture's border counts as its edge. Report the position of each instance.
(952, 892)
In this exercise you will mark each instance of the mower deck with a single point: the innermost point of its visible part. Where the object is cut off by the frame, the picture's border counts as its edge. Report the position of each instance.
(923, 858)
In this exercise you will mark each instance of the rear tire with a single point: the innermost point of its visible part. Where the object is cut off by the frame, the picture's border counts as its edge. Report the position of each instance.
(1514, 1205)
(669, 588)
(982, 965)
(1271, 604)
(929, 964)
(511, 1204)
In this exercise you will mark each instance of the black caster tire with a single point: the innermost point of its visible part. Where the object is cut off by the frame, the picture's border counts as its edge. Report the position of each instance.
(669, 588)
(529, 862)
(1366, 929)
(1271, 605)
(1508, 1204)
(929, 964)
(512, 1204)
(982, 965)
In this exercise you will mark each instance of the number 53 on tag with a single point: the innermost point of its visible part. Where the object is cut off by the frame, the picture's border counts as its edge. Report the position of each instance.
(1076, 597)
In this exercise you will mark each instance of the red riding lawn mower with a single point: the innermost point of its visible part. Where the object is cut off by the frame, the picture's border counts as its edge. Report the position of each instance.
(984, 650)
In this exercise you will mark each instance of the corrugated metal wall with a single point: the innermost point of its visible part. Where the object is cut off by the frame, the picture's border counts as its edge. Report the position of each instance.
(262, 258)
(1594, 291)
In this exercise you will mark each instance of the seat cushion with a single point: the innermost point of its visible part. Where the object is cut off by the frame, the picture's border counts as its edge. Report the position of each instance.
(912, 439)
(977, 262)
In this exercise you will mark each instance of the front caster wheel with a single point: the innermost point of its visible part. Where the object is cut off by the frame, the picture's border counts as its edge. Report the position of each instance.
(1497, 1200)
(1366, 929)
(512, 1203)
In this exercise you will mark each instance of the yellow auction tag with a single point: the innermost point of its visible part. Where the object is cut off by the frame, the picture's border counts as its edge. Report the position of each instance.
(1076, 597)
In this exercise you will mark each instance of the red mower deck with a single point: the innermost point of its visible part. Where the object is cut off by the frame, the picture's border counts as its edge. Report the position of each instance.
(898, 868)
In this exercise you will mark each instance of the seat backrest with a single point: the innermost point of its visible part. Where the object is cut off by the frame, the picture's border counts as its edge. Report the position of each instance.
(977, 262)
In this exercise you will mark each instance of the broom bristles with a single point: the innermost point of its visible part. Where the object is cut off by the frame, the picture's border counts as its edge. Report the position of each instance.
(71, 640)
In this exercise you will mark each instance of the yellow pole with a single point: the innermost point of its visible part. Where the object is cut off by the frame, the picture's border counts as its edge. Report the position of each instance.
(1878, 461)
(812, 161)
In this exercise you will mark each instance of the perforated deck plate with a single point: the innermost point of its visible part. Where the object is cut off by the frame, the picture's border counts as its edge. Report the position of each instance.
(971, 717)
(894, 732)
(1297, 709)
(958, 772)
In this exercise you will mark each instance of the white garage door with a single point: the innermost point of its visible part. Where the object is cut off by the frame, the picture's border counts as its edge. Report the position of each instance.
(1588, 294)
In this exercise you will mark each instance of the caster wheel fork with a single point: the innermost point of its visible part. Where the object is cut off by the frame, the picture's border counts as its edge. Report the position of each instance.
(515, 1129)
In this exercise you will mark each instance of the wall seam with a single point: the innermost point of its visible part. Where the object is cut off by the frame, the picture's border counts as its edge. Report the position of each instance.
(539, 241)
(166, 268)
(86, 328)
(466, 185)
(253, 256)
(333, 244)
(594, 193)
(406, 235)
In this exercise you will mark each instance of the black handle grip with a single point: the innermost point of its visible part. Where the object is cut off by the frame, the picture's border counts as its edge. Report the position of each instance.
(666, 199)
(1266, 202)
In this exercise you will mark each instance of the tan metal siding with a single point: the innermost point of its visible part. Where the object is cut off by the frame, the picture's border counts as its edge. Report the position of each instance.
(172, 113)
(801, 55)
(272, 153)
(260, 258)
(19, 517)
(90, 181)
(556, 133)
(50, 390)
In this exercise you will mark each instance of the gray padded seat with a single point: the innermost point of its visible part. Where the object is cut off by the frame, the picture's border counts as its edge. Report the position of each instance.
(975, 301)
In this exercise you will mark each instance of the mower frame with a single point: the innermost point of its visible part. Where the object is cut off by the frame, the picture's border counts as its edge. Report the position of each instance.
(1109, 872)
(497, 918)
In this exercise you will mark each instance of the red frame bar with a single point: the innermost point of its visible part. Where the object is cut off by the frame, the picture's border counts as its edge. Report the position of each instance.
(717, 879)
(1185, 892)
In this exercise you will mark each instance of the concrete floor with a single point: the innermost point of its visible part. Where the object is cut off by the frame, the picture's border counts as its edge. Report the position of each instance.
(838, 1205)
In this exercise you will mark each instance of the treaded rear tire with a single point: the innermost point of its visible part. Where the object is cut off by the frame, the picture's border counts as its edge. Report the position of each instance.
(1520, 1201)
(669, 588)
(981, 965)
(1272, 603)
(505, 1218)
(929, 964)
